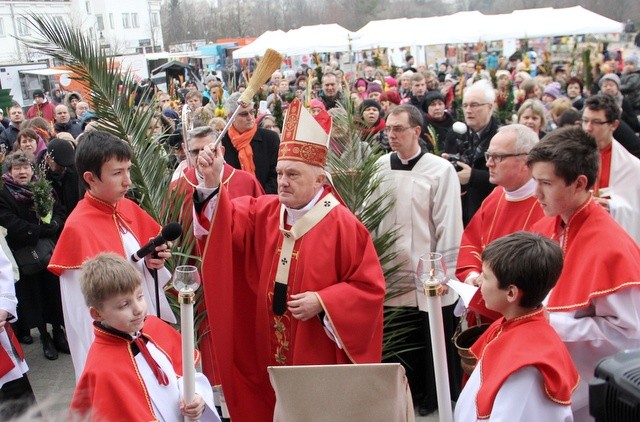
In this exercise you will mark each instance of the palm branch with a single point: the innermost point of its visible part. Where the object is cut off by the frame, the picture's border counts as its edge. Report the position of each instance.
(354, 173)
(111, 94)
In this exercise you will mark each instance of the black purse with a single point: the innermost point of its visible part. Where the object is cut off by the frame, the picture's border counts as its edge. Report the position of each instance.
(34, 258)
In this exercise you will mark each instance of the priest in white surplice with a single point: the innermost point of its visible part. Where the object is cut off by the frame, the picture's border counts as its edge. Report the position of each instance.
(427, 215)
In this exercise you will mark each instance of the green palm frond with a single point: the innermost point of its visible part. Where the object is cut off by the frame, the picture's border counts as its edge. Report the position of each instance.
(111, 92)
(354, 173)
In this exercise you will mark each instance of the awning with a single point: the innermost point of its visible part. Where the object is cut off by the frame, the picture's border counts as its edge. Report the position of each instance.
(44, 72)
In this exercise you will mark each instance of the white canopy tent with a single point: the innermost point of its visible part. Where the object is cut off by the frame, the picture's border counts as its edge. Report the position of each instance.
(462, 27)
(474, 26)
(270, 39)
(305, 40)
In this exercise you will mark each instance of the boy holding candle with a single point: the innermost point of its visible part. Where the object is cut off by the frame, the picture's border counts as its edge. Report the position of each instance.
(524, 370)
(145, 356)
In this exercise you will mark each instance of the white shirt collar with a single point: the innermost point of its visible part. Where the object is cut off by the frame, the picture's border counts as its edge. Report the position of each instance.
(523, 192)
(295, 215)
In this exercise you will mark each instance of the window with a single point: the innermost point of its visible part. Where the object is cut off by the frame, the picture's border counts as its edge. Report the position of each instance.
(155, 19)
(87, 5)
(100, 22)
(125, 21)
(111, 23)
(134, 20)
(23, 27)
(2, 27)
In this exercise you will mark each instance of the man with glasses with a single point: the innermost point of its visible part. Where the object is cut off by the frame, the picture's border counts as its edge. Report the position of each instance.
(426, 213)
(250, 148)
(509, 208)
(473, 175)
(617, 186)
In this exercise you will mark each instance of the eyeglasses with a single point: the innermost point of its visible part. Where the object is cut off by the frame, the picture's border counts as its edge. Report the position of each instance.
(473, 106)
(247, 113)
(497, 158)
(396, 129)
(594, 122)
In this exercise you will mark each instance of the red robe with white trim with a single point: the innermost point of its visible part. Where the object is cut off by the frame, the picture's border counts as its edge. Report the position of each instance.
(111, 388)
(497, 217)
(336, 259)
(238, 183)
(93, 228)
(591, 268)
(528, 340)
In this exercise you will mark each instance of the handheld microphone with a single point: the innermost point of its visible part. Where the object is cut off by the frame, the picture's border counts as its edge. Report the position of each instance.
(460, 128)
(170, 232)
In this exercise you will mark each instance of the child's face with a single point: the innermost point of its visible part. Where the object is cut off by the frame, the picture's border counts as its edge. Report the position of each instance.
(125, 312)
(114, 181)
(494, 297)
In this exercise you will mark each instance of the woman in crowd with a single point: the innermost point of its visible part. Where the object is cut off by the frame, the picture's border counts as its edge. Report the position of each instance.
(574, 92)
(29, 142)
(38, 294)
(373, 124)
(532, 114)
(437, 117)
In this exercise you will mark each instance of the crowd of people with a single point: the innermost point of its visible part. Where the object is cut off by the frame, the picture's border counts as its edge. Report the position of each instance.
(515, 175)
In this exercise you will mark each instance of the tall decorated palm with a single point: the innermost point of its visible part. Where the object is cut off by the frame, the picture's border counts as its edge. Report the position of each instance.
(354, 173)
(111, 93)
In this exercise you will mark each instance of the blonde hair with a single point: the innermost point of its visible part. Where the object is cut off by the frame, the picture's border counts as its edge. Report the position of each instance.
(106, 276)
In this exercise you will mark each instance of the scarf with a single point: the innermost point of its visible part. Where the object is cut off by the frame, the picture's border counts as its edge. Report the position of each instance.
(374, 129)
(19, 192)
(242, 142)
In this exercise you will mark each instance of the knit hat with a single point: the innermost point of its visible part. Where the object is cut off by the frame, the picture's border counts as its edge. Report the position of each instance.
(391, 82)
(62, 152)
(370, 103)
(361, 82)
(304, 138)
(38, 93)
(609, 77)
(553, 90)
(502, 72)
(316, 103)
(391, 96)
(633, 59)
(374, 87)
(432, 96)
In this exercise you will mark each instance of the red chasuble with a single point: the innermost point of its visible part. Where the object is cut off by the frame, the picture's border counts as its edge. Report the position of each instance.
(591, 268)
(238, 183)
(336, 259)
(110, 388)
(94, 227)
(528, 340)
(497, 217)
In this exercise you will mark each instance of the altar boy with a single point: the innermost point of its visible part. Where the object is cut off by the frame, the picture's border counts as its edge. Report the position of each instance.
(134, 367)
(524, 371)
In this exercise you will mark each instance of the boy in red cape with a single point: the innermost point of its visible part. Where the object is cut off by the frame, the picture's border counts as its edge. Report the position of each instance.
(134, 367)
(524, 371)
(595, 307)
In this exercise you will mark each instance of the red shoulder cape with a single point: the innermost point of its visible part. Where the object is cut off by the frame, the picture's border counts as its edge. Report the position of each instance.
(110, 388)
(528, 340)
(600, 258)
(94, 227)
(496, 217)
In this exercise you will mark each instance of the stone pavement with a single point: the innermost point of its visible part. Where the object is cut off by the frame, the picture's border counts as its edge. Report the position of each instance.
(53, 382)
